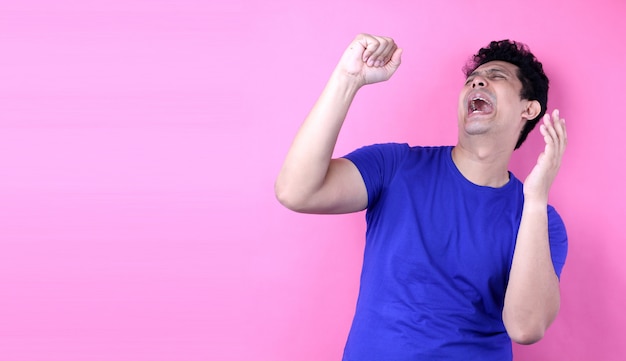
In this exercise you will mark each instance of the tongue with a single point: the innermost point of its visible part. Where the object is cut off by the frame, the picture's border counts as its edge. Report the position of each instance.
(481, 106)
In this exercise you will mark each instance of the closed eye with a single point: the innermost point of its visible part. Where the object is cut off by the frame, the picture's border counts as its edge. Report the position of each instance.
(496, 75)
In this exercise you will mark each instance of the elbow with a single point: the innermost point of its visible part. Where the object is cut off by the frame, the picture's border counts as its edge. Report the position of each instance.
(526, 335)
(282, 195)
(526, 330)
(288, 198)
(527, 324)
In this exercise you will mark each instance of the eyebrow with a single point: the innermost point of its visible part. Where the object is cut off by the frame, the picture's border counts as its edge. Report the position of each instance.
(490, 71)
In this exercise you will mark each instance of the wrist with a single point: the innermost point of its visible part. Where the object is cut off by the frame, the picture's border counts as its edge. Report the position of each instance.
(345, 84)
(347, 78)
(535, 202)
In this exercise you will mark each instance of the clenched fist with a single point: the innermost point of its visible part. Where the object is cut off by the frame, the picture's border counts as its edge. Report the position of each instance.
(370, 59)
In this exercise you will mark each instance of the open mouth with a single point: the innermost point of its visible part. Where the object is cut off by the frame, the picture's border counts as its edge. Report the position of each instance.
(478, 104)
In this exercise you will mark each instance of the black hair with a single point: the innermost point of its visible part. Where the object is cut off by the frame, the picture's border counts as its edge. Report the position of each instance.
(535, 83)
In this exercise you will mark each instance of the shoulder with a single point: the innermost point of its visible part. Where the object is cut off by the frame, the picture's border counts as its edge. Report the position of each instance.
(390, 157)
(399, 150)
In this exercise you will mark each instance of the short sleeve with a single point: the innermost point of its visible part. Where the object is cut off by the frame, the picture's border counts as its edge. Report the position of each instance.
(378, 164)
(558, 240)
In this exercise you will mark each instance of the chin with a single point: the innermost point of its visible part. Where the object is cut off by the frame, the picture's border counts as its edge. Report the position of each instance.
(475, 126)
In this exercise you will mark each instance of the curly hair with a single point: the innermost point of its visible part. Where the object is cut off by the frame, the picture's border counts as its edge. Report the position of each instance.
(530, 72)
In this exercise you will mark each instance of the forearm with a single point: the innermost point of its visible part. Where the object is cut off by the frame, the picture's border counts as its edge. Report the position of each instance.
(310, 181)
(532, 297)
(308, 159)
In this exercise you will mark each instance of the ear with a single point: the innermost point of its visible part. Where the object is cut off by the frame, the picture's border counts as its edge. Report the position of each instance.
(532, 110)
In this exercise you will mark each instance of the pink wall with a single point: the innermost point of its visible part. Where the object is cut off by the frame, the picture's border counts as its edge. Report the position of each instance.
(139, 141)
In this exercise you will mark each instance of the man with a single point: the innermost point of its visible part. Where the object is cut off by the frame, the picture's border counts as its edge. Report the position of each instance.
(460, 256)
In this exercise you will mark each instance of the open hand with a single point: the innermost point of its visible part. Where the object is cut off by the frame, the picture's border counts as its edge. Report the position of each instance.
(537, 184)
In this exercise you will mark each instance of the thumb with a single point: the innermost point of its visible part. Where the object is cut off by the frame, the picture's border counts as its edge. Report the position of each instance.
(395, 61)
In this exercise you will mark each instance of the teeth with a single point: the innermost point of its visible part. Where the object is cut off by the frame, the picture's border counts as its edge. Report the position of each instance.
(473, 106)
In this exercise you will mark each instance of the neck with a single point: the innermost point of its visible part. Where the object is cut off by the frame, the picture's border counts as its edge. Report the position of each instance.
(483, 165)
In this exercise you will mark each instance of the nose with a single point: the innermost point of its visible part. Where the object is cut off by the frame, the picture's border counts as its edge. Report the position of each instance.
(478, 82)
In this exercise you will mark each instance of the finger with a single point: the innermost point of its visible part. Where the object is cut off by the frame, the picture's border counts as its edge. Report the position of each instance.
(564, 133)
(549, 135)
(395, 60)
(549, 123)
(559, 125)
(369, 44)
(383, 52)
(547, 130)
(387, 55)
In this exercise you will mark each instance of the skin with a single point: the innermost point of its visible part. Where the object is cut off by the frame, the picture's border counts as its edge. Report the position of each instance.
(311, 181)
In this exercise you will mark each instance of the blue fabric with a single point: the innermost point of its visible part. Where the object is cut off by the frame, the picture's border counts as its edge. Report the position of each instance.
(437, 257)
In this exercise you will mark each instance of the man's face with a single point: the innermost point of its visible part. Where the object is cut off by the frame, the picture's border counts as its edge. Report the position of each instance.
(490, 102)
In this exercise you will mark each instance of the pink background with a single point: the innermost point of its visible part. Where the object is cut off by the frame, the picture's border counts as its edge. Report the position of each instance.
(139, 142)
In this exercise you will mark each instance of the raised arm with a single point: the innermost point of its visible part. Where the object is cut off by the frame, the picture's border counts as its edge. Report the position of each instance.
(532, 297)
(309, 180)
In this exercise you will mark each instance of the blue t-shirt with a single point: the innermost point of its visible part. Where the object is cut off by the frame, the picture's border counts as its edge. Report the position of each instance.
(437, 258)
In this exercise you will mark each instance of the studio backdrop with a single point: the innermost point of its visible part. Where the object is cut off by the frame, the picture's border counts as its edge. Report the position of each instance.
(140, 140)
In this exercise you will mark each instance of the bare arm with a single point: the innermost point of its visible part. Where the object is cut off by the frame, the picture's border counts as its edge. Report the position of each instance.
(532, 297)
(310, 181)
